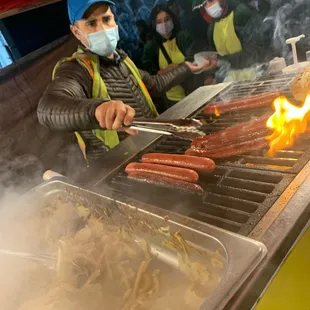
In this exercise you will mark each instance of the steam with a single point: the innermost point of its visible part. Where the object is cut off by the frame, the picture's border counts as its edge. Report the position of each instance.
(14, 272)
(26, 227)
(20, 172)
(290, 19)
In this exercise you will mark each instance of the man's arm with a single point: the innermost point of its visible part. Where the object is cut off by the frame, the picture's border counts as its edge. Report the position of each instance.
(159, 84)
(65, 104)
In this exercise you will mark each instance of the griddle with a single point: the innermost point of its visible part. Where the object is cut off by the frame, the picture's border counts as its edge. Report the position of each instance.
(242, 188)
(238, 194)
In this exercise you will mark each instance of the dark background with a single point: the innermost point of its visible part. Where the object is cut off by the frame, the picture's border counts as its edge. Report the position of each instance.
(28, 31)
(33, 29)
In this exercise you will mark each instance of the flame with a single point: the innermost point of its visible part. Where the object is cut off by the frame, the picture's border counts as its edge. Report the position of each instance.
(287, 123)
(216, 112)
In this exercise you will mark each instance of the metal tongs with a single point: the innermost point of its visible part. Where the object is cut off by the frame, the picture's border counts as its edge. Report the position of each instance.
(181, 128)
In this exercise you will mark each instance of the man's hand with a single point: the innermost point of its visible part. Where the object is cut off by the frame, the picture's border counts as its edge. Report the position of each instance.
(113, 114)
(206, 66)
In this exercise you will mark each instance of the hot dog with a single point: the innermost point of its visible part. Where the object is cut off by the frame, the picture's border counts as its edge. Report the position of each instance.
(159, 180)
(232, 132)
(176, 173)
(231, 150)
(232, 140)
(251, 102)
(204, 165)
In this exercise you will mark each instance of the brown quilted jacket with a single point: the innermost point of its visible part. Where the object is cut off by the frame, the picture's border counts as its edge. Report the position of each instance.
(67, 104)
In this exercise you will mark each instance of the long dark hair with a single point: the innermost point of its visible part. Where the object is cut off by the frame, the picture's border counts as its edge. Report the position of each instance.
(163, 8)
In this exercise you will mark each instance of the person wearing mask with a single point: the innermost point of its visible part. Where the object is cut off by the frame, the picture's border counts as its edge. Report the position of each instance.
(234, 33)
(170, 47)
(98, 89)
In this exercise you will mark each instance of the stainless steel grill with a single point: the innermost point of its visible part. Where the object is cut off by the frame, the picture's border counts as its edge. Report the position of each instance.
(234, 199)
(242, 188)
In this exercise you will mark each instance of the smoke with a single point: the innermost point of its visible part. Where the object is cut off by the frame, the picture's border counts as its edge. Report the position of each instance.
(14, 272)
(20, 172)
(29, 224)
(290, 19)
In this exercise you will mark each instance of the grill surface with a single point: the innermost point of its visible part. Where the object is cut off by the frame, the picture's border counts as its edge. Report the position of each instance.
(244, 89)
(242, 188)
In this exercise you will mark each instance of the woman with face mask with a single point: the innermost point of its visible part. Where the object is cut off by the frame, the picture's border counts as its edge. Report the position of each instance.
(170, 46)
(235, 32)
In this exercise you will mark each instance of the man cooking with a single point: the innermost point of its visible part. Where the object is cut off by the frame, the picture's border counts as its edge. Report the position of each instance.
(98, 89)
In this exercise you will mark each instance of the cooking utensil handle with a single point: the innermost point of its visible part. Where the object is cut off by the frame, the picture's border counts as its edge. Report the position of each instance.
(175, 122)
(151, 130)
(50, 174)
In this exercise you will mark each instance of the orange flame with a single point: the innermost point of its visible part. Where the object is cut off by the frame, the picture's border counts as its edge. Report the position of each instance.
(287, 122)
(216, 112)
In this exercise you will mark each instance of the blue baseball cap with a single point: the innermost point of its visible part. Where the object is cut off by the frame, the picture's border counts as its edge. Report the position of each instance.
(77, 8)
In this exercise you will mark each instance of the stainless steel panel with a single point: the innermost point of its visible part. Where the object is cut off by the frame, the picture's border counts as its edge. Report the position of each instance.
(238, 254)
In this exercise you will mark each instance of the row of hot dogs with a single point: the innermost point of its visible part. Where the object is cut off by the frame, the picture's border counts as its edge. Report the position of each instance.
(240, 139)
(182, 171)
(252, 102)
(171, 170)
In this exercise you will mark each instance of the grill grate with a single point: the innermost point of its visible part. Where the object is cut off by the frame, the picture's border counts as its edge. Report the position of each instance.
(234, 199)
(244, 89)
(291, 161)
(242, 188)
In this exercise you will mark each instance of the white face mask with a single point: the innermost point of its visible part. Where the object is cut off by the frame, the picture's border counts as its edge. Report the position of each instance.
(165, 29)
(103, 42)
(215, 10)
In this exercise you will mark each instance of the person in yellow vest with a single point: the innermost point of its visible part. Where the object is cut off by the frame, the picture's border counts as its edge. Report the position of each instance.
(234, 32)
(98, 89)
(169, 47)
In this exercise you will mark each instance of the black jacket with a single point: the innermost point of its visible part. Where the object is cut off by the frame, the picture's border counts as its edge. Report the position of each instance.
(67, 103)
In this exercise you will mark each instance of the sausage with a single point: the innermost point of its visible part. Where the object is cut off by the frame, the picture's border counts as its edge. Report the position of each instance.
(204, 165)
(163, 181)
(232, 132)
(236, 139)
(231, 150)
(182, 174)
(251, 102)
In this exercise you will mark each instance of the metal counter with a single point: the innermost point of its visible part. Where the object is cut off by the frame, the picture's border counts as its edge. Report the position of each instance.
(278, 227)
(236, 255)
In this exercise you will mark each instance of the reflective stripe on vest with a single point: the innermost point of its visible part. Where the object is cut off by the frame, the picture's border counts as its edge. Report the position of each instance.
(91, 63)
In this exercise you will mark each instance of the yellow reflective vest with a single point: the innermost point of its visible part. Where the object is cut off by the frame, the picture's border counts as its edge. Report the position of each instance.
(91, 63)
